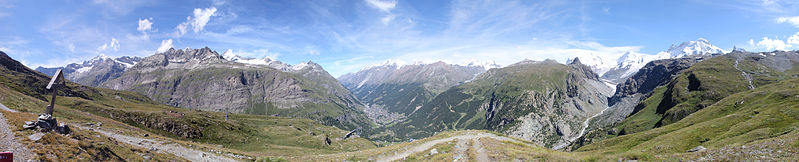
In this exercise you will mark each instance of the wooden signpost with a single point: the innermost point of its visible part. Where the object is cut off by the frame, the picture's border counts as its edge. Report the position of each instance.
(46, 122)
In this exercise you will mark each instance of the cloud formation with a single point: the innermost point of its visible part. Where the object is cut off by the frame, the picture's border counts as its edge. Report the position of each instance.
(165, 45)
(772, 44)
(145, 24)
(197, 22)
(385, 6)
(113, 45)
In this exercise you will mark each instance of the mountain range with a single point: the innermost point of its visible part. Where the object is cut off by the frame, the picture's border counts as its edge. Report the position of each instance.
(619, 69)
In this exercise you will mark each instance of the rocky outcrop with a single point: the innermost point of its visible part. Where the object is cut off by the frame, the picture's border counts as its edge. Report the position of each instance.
(652, 75)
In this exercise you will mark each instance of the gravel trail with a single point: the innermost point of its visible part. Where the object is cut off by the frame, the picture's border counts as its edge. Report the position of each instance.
(480, 152)
(407, 151)
(9, 142)
(170, 148)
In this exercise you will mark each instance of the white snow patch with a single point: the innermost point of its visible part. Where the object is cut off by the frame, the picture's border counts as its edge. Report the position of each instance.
(84, 69)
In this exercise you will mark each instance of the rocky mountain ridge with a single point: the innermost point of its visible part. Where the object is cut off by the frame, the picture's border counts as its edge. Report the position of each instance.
(95, 71)
(203, 79)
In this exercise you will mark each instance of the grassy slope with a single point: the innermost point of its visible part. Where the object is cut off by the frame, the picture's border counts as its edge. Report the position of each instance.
(460, 106)
(766, 112)
(698, 87)
(745, 125)
(134, 114)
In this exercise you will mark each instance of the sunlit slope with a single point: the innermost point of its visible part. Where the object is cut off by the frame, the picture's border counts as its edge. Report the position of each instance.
(540, 101)
(135, 114)
(766, 112)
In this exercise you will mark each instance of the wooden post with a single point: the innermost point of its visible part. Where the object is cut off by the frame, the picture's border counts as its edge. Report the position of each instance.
(55, 83)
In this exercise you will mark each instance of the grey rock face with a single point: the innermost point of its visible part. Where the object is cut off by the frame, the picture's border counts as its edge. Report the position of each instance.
(202, 79)
(652, 75)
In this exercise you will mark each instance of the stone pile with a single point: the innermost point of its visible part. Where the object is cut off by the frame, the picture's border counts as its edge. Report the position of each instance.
(46, 123)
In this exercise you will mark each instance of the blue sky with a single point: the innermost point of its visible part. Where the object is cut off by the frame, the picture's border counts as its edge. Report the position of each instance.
(346, 35)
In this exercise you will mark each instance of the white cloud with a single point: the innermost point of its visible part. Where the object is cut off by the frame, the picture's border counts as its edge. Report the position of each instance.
(182, 27)
(387, 19)
(383, 5)
(198, 22)
(71, 47)
(114, 45)
(145, 24)
(201, 18)
(773, 44)
(791, 20)
(794, 39)
(312, 52)
(165, 45)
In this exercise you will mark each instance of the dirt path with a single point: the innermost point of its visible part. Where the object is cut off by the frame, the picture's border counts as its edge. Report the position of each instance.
(3, 107)
(479, 151)
(429, 144)
(160, 146)
(460, 153)
(9, 142)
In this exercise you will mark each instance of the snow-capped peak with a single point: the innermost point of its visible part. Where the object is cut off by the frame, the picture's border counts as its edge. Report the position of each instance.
(597, 63)
(486, 64)
(698, 47)
(100, 57)
(229, 55)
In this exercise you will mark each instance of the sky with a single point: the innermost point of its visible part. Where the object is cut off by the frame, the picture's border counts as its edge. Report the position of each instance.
(347, 35)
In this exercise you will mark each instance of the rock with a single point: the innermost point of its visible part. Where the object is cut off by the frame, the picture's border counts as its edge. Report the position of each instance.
(697, 149)
(433, 152)
(36, 136)
(327, 140)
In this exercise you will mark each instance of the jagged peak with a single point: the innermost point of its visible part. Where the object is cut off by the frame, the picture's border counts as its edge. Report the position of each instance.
(574, 61)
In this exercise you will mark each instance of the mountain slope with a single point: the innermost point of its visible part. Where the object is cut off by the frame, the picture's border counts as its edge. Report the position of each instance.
(133, 114)
(693, 89)
(767, 112)
(544, 102)
(393, 92)
(202, 79)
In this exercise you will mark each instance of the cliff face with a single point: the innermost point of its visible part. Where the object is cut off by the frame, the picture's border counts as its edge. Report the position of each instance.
(202, 79)
(543, 102)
